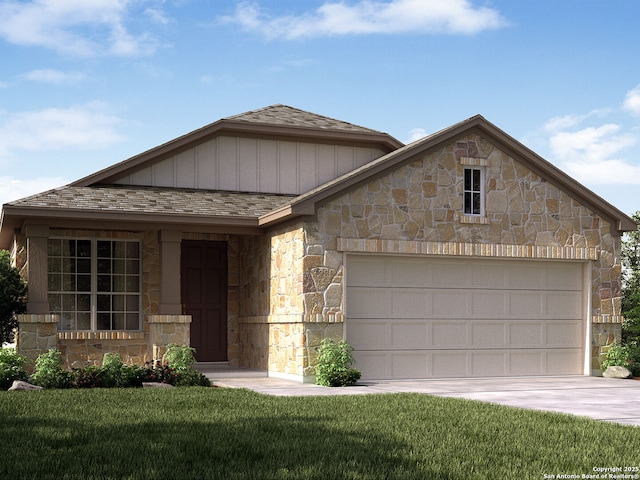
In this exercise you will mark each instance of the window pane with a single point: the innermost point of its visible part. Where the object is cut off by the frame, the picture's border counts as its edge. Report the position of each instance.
(104, 303)
(69, 265)
(69, 248)
(467, 179)
(67, 321)
(83, 265)
(476, 203)
(467, 202)
(104, 321)
(104, 265)
(476, 180)
(133, 284)
(133, 250)
(118, 321)
(84, 248)
(104, 249)
(118, 266)
(133, 303)
(55, 302)
(119, 283)
(55, 282)
(69, 282)
(104, 283)
(69, 302)
(133, 321)
(83, 321)
(84, 303)
(54, 265)
(83, 283)
(119, 249)
(118, 303)
(133, 267)
(54, 248)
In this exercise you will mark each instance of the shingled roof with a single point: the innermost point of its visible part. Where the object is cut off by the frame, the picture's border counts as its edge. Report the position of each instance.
(155, 200)
(292, 117)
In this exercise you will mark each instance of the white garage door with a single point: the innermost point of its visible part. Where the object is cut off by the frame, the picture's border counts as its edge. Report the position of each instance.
(411, 317)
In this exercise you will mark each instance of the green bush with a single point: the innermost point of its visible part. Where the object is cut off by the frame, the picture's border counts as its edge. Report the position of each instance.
(11, 367)
(627, 356)
(181, 360)
(49, 372)
(334, 367)
(114, 373)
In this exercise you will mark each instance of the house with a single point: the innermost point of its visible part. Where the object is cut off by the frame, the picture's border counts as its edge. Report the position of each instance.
(253, 238)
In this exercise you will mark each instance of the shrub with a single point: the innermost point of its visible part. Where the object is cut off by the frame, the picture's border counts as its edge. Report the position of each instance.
(627, 356)
(11, 367)
(49, 372)
(181, 360)
(334, 364)
(114, 373)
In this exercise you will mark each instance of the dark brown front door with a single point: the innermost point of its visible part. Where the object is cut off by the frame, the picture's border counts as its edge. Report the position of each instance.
(204, 297)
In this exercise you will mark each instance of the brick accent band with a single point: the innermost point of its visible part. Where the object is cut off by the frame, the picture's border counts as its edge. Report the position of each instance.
(465, 249)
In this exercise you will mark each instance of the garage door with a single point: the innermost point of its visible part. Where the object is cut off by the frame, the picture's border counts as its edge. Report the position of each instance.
(410, 317)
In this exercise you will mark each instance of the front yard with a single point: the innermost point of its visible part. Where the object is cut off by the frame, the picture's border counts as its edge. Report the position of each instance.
(210, 433)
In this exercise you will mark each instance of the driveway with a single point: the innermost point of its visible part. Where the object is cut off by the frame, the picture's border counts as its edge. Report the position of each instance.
(595, 397)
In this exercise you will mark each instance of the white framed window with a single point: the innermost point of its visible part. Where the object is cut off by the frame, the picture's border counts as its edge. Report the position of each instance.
(473, 191)
(94, 284)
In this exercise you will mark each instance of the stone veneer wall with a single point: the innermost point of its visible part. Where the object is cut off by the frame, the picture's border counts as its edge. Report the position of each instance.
(272, 306)
(416, 209)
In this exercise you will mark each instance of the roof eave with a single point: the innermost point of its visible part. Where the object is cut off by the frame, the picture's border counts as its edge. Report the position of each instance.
(14, 217)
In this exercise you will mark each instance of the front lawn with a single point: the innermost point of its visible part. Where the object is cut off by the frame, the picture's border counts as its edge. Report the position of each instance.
(210, 433)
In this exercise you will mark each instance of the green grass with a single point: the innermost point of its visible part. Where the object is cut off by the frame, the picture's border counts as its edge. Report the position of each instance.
(209, 433)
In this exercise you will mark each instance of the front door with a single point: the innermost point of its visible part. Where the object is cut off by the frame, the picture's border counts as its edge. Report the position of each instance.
(204, 297)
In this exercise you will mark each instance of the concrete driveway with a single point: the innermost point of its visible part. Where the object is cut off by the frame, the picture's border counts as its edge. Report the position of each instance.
(595, 397)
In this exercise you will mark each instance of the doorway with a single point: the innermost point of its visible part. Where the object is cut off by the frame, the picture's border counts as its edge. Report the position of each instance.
(204, 297)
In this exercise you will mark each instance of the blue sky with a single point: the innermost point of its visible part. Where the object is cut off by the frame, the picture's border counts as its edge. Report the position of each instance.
(84, 84)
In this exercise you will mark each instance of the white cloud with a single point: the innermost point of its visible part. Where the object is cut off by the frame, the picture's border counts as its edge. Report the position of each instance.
(13, 189)
(88, 126)
(592, 151)
(632, 101)
(371, 17)
(591, 144)
(606, 172)
(75, 27)
(54, 77)
(416, 134)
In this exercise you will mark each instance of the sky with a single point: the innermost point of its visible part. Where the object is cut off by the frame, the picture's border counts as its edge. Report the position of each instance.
(86, 84)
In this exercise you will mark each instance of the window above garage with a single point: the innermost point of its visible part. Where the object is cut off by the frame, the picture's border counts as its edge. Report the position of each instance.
(473, 191)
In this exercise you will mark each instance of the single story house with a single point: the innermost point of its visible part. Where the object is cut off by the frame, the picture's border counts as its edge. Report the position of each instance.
(462, 254)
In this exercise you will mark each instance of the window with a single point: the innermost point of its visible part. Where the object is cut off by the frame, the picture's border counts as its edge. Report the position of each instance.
(95, 284)
(473, 204)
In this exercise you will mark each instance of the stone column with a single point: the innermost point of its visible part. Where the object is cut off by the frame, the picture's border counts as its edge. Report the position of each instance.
(37, 279)
(37, 333)
(167, 329)
(170, 301)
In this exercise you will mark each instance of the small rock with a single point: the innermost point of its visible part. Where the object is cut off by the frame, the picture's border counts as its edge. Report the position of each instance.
(616, 371)
(20, 385)
(156, 385)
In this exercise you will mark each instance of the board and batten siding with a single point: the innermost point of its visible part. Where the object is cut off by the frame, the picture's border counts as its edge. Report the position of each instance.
(253, 165)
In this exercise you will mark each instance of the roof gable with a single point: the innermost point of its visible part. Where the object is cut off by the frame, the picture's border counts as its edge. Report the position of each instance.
(276, 121)
(306, 204)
